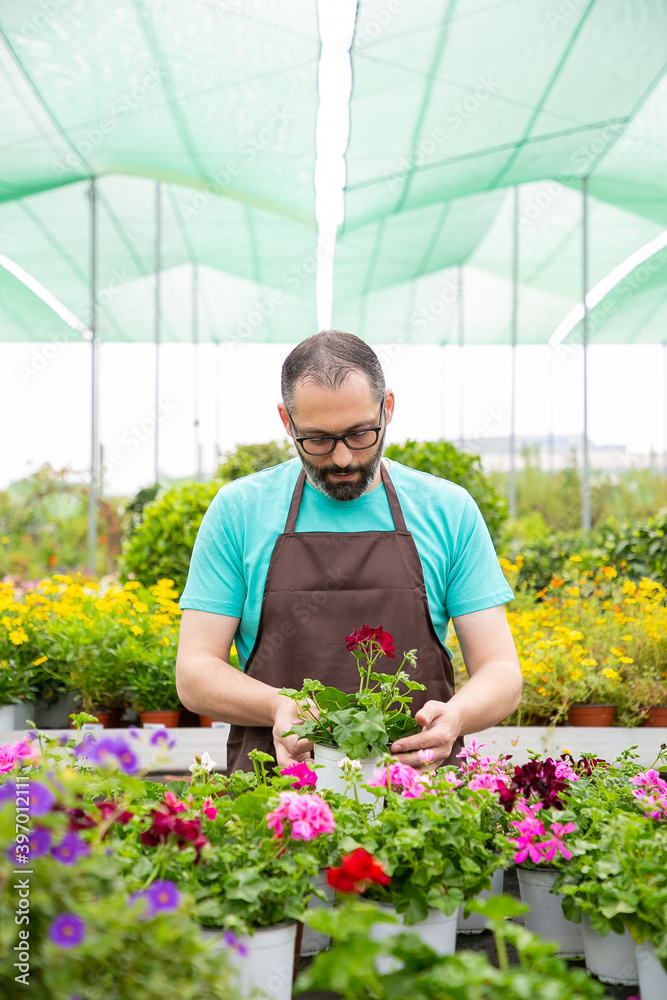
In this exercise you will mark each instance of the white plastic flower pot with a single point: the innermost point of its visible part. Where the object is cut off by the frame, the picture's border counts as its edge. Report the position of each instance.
(331, 775)
(313, 941)
(611, 958)
(437, 930)
(268, 964)
(476, 922)
(652, 976)
(15, 717)
(546, 917)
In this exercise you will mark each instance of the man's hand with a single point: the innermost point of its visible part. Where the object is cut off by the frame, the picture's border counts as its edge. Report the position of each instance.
(288, 748)
(440, 728)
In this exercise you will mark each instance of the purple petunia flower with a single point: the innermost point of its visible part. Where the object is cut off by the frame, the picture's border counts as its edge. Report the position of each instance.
(39, 841)
(70, 849)
(41, 798)
(230, 939)
(161, 738)
(7, 791)
(163, 895)
(67, 930)
(135, 732)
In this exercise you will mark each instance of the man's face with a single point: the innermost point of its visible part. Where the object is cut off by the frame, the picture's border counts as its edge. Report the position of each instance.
(344, 474)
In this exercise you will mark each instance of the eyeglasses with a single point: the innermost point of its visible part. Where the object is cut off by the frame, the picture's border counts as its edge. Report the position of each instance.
(355, 440)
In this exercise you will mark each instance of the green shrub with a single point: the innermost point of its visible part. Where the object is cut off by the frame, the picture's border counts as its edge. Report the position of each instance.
(249, 458)
(441, 458)
(161, 545)
(635, 550)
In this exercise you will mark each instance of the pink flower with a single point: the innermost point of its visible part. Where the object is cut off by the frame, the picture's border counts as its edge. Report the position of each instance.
(11, 753)
(555, 844)
(208, 809)
(176, 805)
(426, 756)
(564, 772)
(304, 777)
(413, 782)
(485, 781)
(452, 778)
(308, 814)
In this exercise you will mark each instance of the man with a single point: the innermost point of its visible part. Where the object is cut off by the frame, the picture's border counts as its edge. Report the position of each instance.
(290, 560)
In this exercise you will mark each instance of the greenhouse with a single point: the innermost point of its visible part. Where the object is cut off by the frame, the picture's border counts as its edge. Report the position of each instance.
(340, 714)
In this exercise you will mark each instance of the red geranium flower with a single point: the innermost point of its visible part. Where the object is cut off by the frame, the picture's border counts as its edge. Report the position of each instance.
(357, 872)
(365, 635)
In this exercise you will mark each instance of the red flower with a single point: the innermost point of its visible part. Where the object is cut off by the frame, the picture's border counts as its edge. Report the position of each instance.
(366, 635)
(357, 871)
(167, 821)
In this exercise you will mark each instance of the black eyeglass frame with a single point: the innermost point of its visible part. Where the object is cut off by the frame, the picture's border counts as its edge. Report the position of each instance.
(338, 437)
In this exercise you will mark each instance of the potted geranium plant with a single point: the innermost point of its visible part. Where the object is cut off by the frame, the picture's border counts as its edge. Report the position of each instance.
(362, 725)
(435, 838)
(242, 846)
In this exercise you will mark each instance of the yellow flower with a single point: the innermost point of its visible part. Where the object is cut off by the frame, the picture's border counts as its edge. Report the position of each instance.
(4, 540)
(137, 630)
(132, 585)
(575, 558)
(573, 591)
(627, 638)
(18, 636)
(42, 659)
(576, 674)
(625, 659)
(589, 663)
(613, 675)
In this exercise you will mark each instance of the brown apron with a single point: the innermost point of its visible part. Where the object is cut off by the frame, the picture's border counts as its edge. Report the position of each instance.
(320, 586)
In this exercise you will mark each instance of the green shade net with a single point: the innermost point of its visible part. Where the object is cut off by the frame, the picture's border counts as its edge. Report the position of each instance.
(218, 102)
(455, 102)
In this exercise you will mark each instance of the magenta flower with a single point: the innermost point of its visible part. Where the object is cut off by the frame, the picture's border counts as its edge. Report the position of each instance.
(67, 930)
(40, 798)
(304, 777)
(70, 849)
(11, 753)
(413, 782)
(426, 756)
(308, 814)
(555, 843)
(208, 809)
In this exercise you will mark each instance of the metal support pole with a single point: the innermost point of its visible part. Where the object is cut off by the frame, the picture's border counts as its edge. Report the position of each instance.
(515, 325)
(218, 451)
(443, 391)
(158, 265)
(664, 408)
(195, 366)
(94, 391)
(459, 300)
(585, 478)
(552, 442)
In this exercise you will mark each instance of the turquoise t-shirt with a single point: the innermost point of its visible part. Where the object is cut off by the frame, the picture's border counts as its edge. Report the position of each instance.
(231, 556)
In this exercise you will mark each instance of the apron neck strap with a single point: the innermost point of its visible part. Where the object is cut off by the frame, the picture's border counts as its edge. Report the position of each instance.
(394, 505)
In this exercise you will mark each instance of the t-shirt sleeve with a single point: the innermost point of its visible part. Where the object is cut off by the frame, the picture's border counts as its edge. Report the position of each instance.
(216, 580)
(475, 580)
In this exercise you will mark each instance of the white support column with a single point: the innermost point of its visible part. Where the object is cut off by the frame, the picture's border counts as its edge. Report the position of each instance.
(158, 265)
(459, 302)
(195, 368)
(94, 391)
(515, 326)
(585, 476)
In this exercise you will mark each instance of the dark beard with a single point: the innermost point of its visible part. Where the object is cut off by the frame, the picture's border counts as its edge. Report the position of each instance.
(344, 491)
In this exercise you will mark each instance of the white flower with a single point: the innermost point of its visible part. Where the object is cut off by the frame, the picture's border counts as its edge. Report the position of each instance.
(204, 761)
(353, 765)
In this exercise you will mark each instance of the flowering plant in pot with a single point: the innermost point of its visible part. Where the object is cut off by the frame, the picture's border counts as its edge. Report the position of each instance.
(433, 834)
(365, 723)
(69, 920)
(354, 966)
(252, 837)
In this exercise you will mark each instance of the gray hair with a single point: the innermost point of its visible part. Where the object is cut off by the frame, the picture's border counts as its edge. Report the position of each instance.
(326, 359)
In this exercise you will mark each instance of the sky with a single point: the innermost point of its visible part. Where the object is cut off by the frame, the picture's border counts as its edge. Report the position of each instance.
(46, 414)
